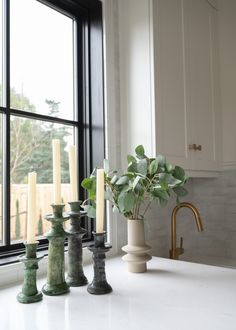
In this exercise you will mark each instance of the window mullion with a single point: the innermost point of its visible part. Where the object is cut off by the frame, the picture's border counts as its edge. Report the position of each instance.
(6, 123)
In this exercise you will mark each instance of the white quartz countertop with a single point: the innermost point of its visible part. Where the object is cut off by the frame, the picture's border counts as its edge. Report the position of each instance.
(171, 295)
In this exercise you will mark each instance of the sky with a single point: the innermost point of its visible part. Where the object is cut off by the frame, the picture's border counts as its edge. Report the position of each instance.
(42, 55)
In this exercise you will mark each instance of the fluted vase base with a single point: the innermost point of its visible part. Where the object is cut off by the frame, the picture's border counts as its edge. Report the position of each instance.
(137, 250)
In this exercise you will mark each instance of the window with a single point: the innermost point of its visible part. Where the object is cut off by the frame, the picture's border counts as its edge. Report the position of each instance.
(50, 87)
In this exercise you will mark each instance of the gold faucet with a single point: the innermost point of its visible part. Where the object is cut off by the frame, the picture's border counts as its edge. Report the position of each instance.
(176, 251)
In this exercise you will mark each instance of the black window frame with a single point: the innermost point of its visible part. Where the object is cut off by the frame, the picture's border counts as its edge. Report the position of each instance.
(90, 107)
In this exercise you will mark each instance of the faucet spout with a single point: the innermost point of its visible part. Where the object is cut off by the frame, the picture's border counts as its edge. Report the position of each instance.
(175, 252)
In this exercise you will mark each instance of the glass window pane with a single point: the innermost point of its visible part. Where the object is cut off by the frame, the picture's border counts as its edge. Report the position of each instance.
(31, 150)
(1, 50)
(41, 59)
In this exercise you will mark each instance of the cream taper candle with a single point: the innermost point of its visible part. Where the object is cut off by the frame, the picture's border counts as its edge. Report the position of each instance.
(31, 216)
(56, 150)
(73, 174)
(100, 201)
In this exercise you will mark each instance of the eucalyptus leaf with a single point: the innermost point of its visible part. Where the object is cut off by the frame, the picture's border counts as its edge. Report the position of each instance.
(169, 167)
(91, 211)
(122, 180)
(139, 150)
(126, 188)
(114, 179)
(179, 173)
(131, 159)
(142, 167)
(130, 175)
(161, 160)
(136, 180)
(129, 201)
(161, 193)
(87, 183)
(139, 189)
(153, 167)
(92, 194)
(180, 191)
(132, 167)
(168, 179)
(121, 205)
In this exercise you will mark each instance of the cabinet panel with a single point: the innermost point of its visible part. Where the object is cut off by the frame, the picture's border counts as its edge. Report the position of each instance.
(186, 83)
(170, 86)
(200, 87)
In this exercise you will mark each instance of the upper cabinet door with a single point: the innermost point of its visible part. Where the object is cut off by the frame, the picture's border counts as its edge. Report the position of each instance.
(201, 82)
(186, 84)
(172, 118)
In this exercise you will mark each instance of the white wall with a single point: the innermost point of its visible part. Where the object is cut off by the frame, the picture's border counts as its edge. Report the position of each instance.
(136, 97)
(227, 43)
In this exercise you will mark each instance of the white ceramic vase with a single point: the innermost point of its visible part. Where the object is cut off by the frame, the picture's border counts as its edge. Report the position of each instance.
(136, 249)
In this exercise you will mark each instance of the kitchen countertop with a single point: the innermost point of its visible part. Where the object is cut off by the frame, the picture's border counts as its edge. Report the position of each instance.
(171, 295)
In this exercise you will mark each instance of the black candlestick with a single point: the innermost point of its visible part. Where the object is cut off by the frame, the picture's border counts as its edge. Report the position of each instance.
(99, 284)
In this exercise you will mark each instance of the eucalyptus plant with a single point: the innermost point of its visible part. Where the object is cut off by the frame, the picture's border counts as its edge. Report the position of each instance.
(146, 180)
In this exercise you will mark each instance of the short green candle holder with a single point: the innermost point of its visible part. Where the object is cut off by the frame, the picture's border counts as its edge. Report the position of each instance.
(99, 284)
(75, 276)
(30, 293)
(56, 284)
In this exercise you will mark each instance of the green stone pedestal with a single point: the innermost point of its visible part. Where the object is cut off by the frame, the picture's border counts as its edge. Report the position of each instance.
(56, 284)
(75, 276)
(29, 293)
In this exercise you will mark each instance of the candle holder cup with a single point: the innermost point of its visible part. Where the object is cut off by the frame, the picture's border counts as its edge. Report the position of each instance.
(99, 284)
(29, 292)
(56, 284)
(75, 276)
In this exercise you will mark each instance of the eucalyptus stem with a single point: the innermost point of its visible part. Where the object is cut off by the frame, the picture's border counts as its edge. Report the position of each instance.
(147, 207)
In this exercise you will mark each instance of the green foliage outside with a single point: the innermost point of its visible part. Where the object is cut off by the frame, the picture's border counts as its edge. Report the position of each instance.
(31, 148)
(40, 224)
(17, 224)
(145, 180)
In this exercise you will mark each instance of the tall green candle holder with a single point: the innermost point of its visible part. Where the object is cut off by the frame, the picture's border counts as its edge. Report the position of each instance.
(56, 284)
(29, 293)
(75, 276)
(99, 284)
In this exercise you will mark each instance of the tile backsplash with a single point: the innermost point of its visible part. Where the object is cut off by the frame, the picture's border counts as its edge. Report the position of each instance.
(215, 198)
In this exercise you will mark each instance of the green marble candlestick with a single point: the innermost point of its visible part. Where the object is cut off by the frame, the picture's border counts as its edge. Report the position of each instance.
(56, 284)
(75, 276)
(29, 293)
(99, 284)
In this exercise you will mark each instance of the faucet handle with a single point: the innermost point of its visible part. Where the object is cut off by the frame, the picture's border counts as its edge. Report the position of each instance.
(181, 249)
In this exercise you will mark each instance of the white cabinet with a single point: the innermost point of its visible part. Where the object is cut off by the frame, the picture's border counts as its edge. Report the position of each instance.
(168, 81)
(186, 84)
